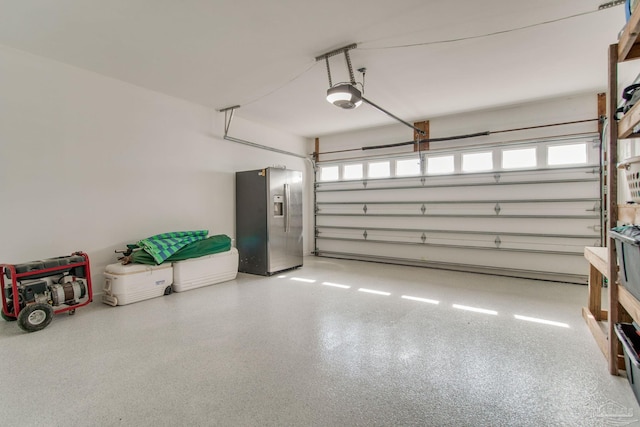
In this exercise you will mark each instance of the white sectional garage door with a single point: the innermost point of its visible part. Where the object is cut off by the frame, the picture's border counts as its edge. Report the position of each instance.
(525, 209)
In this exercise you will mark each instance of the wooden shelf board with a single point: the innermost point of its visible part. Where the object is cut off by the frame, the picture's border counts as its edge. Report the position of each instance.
(597, 330)
(629, 302)
(628, 43)
(629, 121)
(599, 258)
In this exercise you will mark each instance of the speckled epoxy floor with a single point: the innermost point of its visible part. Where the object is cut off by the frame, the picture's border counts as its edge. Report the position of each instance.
(300, 351)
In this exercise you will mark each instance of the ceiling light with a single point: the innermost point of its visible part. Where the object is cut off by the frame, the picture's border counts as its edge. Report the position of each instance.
(344, 95)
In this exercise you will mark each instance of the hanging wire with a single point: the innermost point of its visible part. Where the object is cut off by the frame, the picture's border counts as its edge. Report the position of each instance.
(511, 30)
(296, 77)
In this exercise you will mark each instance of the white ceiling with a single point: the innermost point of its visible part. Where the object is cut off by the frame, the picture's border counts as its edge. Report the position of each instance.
(260, 54)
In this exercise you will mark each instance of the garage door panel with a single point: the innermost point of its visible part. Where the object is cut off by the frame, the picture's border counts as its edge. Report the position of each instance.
(535, 220)
(534, 243)
(587, 207)
(481, 258)
(585, 226)
(542, 190)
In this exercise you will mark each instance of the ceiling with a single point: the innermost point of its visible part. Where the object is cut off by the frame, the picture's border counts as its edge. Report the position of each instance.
(260, 54)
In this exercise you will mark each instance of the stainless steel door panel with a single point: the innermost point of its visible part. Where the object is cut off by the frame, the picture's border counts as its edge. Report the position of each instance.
(285, 219)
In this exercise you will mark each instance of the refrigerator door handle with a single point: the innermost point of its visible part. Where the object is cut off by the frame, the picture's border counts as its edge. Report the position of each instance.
(287, 205)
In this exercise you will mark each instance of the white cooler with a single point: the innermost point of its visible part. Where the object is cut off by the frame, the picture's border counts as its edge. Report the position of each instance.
(203, 271)
(125, 284)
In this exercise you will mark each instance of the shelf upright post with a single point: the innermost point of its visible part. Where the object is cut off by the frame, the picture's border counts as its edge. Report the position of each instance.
(612, 206)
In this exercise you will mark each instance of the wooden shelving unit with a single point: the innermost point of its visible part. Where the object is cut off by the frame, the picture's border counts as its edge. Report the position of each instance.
(628, 46)
(622, 305)
(593, 313)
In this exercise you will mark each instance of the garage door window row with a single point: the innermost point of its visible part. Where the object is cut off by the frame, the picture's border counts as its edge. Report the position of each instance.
(496, 159)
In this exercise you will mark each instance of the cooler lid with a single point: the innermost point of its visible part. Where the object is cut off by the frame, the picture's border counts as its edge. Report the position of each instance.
(118, 268)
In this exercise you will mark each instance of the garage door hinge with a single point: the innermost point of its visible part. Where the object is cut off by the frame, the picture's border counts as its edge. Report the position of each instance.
(423, 237)
(364, 184)
(365, 234)
(365, 209)
(496, 177)
(423, 209)
(498, 242)
(423, 180)
(497, 208)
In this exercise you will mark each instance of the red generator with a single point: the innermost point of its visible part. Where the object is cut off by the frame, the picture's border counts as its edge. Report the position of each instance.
(34, 291)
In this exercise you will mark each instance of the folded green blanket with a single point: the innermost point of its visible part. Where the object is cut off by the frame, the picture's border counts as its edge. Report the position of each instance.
(208, 246)
(162, 246)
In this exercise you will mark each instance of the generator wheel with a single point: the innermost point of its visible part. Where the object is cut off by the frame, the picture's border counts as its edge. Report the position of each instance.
(35, 317)
(168, 290)
(7, 318)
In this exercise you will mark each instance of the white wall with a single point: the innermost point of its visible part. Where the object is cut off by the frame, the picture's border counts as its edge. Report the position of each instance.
(91, 163)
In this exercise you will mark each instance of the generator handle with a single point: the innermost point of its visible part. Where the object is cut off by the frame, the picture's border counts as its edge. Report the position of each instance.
(14, 289)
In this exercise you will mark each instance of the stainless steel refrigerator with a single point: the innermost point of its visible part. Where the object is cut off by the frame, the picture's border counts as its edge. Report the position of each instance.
(269, 220)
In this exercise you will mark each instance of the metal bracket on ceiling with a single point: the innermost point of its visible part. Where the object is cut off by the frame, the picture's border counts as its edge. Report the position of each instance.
(343, 50)
(338, 51)
(228, 117)
(610, 4)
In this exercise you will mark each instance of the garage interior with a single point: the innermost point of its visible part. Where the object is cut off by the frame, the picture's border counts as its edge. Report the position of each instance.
(444, 223)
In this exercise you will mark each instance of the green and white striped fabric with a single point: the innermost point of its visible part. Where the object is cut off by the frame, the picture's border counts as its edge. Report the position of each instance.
(162, 246)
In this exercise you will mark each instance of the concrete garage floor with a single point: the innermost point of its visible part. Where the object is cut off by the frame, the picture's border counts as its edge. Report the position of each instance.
(311, 348)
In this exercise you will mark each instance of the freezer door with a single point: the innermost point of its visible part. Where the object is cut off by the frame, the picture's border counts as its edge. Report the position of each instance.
(251, 221)
(285, 220)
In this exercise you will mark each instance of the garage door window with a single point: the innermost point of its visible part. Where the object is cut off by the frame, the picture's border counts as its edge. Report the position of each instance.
(572, 154)
(519, 158)
(440, 165)
(353, 171)
(379, 170)
(477, 162)
(410, 167)
(329, 173)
